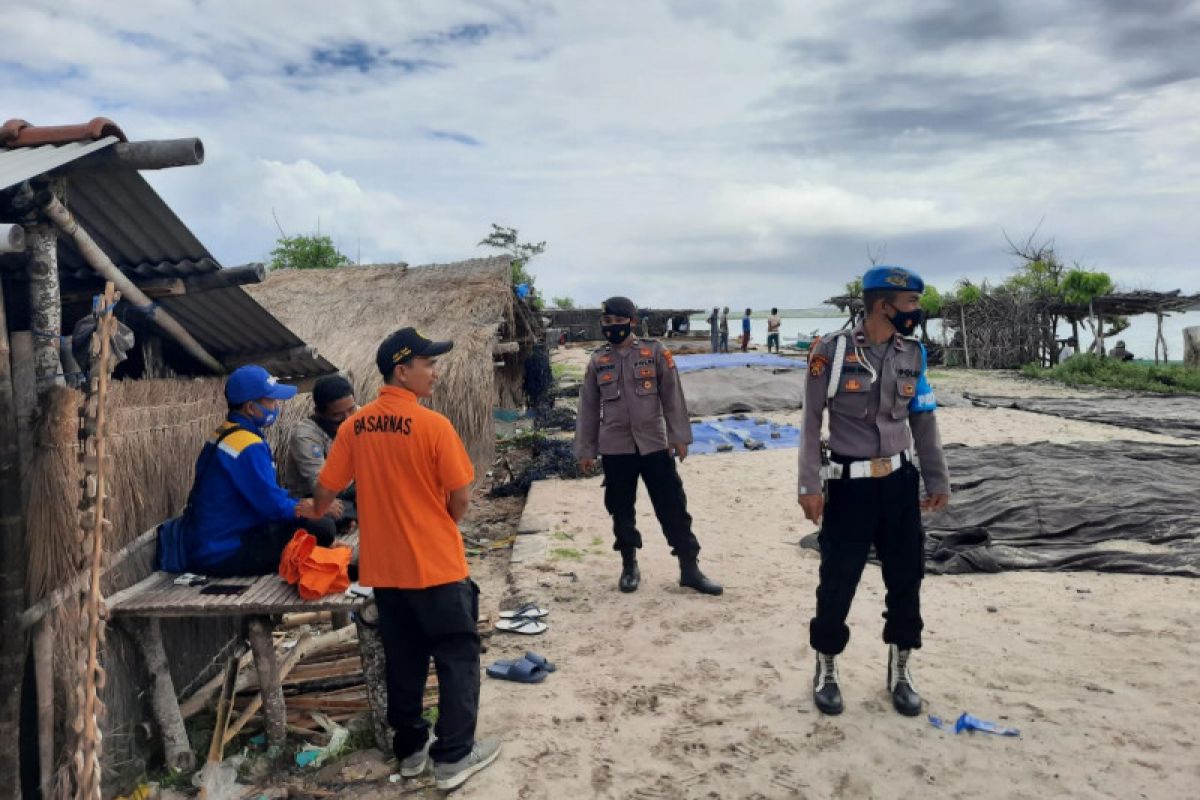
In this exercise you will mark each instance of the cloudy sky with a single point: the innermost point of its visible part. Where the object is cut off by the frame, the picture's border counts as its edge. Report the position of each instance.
(684, 152)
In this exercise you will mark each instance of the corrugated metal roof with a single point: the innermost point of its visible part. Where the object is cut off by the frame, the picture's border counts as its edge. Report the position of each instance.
(145, 239)
(23, 163)
(233, 326)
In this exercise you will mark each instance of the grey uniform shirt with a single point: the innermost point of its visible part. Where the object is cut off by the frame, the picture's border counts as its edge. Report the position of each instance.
(869, 419)
(308, 447)
(631, 401)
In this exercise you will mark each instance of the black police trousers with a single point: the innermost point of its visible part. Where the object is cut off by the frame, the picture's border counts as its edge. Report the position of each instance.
(621, 473)
(439, 623)
(860, 512)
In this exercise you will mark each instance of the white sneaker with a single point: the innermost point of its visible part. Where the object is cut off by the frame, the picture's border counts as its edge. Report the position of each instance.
(453, 774)
(415, 764)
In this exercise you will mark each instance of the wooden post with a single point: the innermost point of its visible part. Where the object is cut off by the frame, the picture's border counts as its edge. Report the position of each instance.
(1191, 347)
(12, 575)
(1160, 338)
(177, 751)
(24, 393)
(45, 304)
(269, 683)
(962, 310)
(43, 666)
(374, 667)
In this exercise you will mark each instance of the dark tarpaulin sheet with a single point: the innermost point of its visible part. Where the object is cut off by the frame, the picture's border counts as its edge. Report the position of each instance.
(1172, 415)
(1104, 506)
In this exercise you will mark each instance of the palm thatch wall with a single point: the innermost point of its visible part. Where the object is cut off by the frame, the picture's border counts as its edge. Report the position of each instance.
(345, 313)
(156, 430)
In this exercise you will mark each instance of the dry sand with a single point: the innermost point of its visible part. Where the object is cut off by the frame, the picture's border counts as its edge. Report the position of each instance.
(668, 694)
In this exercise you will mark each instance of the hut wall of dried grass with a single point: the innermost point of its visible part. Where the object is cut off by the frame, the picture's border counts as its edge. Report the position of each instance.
(156, 430)
(345, 313)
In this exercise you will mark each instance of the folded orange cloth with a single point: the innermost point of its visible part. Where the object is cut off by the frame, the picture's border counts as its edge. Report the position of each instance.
(294, 554)
(325, 571)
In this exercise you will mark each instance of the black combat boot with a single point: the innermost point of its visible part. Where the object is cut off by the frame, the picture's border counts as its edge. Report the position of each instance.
(691, 577)
(904, 695)
(827, 695)
(630, 575)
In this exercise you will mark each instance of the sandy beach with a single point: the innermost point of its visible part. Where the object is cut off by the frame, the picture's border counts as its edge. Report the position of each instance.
(668, 694)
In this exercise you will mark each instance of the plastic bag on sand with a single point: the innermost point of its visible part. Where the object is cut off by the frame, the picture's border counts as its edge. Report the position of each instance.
(218, 779)
(313, 756)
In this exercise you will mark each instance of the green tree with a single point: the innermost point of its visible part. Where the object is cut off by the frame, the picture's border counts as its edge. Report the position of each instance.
(967, 293)
(566, 303)
(506, 239)
(854, 287)
(306, 252)
(931, 301)
(1081, 286)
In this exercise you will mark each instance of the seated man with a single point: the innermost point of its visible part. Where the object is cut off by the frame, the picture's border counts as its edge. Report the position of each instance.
(1120, 353)
(310, 440)
(238, 519)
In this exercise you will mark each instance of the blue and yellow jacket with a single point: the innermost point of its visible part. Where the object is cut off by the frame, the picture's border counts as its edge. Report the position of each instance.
(236, 493)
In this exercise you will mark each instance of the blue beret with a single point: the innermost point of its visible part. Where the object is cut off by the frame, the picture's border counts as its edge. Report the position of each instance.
(896, 279)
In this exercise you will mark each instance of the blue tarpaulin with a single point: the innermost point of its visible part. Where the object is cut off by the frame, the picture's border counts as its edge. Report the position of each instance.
(691, 363)
(708, 435)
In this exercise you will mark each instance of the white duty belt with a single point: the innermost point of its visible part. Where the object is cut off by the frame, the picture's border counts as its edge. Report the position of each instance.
(868, 468)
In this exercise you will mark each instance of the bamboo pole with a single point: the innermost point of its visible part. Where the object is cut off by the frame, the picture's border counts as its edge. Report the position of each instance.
(12, 573)
(269, 686)
(1160, 338)
(99, 261)
(286, 666)
(43, 665)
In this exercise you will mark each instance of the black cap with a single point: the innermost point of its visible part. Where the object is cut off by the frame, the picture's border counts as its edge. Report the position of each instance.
(619, 307)
(403, 346)
(330, 389)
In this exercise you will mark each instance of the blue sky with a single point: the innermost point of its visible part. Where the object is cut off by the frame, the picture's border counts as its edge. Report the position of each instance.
(683, 153)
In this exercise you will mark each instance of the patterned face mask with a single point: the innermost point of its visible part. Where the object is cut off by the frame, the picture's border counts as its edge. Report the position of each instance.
(617, 333)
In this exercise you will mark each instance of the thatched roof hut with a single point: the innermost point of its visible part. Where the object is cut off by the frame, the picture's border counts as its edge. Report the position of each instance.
(347, 312)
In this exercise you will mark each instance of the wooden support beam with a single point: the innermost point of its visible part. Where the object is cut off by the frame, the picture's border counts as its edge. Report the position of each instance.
(45, 305)
(370, 647)
(273, 356)
(43, 669)
(157, 287)
(177, 751)
(258, 631)
(289, 662)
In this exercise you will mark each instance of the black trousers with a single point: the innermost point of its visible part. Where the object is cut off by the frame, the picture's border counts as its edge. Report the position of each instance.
(860, 512)
(261, 548)
(438, 623)
(621, 473)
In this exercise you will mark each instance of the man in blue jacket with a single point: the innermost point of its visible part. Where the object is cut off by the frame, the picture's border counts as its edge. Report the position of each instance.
(238, 518)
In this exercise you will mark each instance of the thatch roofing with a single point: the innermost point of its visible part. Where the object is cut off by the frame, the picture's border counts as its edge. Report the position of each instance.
(347, 312)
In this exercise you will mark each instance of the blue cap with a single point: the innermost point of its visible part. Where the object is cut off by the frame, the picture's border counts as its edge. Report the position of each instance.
(252, 382)
(893, 279)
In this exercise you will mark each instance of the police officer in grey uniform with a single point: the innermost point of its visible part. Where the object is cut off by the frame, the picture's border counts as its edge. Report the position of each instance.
(872, 379)
(633, 415)
(311, 438)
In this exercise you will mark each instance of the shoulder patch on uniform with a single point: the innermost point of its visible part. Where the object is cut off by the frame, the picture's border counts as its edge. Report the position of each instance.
(817, 365)
(316, 451)
(236, 442)
(669, 358)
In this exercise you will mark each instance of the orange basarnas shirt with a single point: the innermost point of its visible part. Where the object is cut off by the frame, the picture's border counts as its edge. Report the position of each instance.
(405, 460)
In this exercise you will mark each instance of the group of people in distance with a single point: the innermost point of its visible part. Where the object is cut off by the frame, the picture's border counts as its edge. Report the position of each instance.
(401, 471)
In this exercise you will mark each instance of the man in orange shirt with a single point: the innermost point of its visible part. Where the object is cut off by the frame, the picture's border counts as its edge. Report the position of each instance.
(414, 482)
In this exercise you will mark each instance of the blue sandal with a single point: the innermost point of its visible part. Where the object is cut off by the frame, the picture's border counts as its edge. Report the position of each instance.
(520, 671)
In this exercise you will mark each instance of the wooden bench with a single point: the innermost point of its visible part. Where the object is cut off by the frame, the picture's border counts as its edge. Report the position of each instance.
(141, 607)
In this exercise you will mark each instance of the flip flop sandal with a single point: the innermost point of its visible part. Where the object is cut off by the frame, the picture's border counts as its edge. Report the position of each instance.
(522, 625)
(520, 671)
(529, 611)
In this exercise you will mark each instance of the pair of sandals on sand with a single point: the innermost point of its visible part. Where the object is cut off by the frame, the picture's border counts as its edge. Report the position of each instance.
(529, 668)
(525, 620)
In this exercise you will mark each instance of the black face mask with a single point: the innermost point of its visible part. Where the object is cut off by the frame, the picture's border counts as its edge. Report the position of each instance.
(616, 334)
(329, 426)
(906, 322)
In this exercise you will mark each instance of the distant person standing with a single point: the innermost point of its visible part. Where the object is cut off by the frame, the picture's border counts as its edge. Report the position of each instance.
(746, 330)
(1068, 349)
(632, 414)
(773, 323)
(714, 329)
(725, 330)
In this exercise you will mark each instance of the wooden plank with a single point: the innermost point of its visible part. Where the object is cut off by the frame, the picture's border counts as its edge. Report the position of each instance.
(274, 710)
